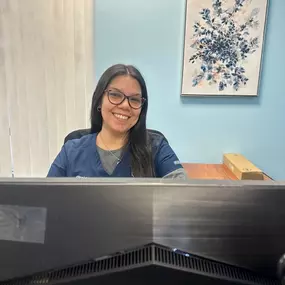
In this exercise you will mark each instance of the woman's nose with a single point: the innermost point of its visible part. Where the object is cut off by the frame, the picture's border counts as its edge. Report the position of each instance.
(125, 104)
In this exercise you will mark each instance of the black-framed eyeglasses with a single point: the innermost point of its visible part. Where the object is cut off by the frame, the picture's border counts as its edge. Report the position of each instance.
(116, 97)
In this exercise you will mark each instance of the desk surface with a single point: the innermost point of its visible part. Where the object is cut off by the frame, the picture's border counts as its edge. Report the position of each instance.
(210, 171)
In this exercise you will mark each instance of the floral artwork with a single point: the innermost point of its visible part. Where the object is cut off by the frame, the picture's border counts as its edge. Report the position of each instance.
(223, 47)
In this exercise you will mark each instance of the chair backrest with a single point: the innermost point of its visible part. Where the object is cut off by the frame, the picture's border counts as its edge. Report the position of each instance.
(77, 134)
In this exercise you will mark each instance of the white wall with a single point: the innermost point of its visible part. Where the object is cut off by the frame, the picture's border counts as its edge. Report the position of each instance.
(46, 68)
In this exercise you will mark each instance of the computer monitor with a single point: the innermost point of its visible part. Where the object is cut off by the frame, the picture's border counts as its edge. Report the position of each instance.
(140, 231)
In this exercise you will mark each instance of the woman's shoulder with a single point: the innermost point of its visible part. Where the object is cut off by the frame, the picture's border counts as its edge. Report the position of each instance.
(73, 153)
(156, 138)
(80, 143)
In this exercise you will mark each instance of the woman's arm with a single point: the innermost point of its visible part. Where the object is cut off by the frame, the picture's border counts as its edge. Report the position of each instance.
(177, 174)
(59, 166)
(167, 164)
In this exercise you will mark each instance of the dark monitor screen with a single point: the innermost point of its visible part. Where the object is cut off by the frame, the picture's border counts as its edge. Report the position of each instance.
(51, 223)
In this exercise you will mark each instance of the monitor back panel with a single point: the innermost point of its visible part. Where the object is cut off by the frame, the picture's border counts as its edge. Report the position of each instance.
(243, 225)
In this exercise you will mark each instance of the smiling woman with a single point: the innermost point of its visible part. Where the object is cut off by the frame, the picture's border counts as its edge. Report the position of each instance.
(119, 144)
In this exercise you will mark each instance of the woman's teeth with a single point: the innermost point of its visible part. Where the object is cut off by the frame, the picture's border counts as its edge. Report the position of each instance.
(121, 117)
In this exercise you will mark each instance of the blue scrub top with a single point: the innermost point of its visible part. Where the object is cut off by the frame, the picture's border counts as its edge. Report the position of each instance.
(80, 158)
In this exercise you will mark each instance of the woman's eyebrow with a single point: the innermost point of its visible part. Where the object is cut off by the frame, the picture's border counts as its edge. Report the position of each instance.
(136, 94)
(111, 87)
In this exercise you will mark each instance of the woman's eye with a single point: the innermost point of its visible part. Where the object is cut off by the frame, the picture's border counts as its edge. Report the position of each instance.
(115, 94)
(136, 100)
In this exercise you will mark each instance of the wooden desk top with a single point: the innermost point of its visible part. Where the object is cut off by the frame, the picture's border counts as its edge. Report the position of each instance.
(210, 171)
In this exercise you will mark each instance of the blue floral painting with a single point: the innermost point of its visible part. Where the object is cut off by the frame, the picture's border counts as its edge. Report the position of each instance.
(223, 46)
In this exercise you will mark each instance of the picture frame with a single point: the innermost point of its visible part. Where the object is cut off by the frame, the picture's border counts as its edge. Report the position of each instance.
(223, 47)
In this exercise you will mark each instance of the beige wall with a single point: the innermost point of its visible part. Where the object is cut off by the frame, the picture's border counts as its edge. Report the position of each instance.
(46, 64)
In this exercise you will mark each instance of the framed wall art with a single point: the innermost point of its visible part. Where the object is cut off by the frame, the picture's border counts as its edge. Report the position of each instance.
(223, 47)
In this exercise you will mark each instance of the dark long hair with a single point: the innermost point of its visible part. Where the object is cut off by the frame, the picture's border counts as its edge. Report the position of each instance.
(140, 147)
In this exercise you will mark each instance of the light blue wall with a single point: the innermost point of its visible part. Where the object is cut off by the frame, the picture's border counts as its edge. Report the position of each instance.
(149, 34)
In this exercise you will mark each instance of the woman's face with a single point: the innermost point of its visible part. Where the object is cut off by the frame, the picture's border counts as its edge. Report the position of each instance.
(121, 118)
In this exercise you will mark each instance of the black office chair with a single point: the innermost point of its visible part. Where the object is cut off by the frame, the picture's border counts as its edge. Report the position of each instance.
(77, 134)
(82, 132)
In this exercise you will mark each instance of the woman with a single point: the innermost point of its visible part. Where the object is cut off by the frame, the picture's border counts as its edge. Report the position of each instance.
(119, 144)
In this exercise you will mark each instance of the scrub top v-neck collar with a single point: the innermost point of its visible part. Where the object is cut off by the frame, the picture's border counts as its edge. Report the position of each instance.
(122, 169)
